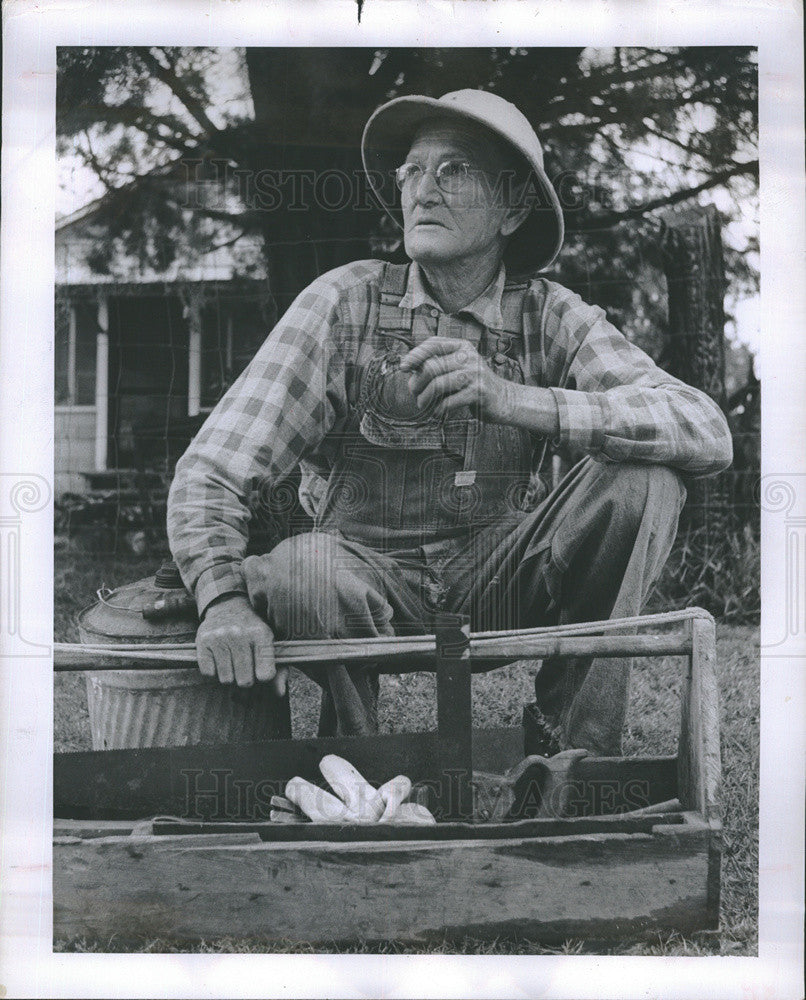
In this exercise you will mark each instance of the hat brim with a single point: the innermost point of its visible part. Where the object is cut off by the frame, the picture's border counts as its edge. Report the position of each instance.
(386, 141)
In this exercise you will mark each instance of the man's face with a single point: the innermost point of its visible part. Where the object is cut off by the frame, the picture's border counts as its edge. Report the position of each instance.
(444, 226)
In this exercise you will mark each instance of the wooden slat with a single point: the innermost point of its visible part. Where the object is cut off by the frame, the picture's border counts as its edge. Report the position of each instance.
(542, 647)
(277, 833)
(223, 782)
(393, 655)
(655, 621)
(137, 841)
(231, 781)
(454, 718)
(237, 781)
(92, 828)
(596, 885)
(699, 755)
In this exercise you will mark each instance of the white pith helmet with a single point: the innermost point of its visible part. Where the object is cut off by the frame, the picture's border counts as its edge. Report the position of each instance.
(388, 136)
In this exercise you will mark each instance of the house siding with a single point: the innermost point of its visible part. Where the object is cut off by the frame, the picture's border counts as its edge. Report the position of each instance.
(74, 431)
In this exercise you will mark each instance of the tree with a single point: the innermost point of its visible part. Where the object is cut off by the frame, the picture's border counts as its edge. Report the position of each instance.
(627, 132)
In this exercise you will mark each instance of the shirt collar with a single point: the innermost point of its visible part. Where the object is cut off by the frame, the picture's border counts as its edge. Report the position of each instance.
(486, 307)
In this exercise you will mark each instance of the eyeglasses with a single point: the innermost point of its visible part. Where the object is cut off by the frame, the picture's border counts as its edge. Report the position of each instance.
(450, 175)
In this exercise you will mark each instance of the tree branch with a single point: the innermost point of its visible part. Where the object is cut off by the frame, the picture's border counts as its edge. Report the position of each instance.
(227, 243)
(597, 120)
(92, 160)
(618, 104)
(167, 75)
(606, 220)
(247, 220)
(606, 78)
(674, 141)
(148, 124)
(596, 83)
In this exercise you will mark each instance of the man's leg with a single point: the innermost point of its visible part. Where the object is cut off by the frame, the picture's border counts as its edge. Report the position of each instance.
(320, 586)
(590, 551)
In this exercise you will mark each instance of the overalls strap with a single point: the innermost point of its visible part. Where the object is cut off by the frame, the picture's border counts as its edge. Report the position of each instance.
(512, 310)
(513, 333)
(391, 318)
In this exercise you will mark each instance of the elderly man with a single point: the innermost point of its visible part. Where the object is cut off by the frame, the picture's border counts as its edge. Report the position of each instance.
(417, 400)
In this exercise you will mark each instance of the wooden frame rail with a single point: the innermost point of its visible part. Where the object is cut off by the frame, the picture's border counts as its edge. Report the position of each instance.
(405, 654)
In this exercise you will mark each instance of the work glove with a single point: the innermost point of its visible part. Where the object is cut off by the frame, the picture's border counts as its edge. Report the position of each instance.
(355, 800)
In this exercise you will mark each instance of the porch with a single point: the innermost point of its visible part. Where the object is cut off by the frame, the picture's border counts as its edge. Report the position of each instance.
(137, 369)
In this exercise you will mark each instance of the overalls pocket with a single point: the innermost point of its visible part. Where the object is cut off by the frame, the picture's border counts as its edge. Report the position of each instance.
(390, 417)
(406, 458)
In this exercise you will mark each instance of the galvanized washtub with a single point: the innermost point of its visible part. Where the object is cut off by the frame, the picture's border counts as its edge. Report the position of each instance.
(161, 708)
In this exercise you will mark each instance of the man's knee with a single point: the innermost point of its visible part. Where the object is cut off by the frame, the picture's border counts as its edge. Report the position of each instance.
(314, 588)
(636, 488)
(300, 565)
(290, 583)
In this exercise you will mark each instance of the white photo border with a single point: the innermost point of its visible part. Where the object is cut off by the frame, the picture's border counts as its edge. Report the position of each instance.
(28, 966)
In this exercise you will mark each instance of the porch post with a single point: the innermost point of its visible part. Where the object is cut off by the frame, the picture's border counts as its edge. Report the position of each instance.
(102, 384)
(229, 360)
(71, 354)
(194, 352)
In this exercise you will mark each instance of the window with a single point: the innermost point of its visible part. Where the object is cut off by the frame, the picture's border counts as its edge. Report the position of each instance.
(76, 328)
(232, 331)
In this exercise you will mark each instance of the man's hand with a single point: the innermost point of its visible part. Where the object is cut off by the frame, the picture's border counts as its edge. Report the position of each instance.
(448, 373)
(236, 645)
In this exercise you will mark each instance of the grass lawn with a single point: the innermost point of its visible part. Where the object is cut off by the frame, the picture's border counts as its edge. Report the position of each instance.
(408, 702)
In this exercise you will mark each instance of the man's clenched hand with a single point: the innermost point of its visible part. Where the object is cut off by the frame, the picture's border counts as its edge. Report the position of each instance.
(448, 373)
(234, 644)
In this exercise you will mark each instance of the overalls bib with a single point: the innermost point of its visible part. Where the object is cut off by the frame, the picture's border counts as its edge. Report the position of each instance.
(404, 477)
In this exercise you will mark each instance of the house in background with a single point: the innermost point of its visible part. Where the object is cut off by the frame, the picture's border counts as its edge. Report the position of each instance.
(143, 352)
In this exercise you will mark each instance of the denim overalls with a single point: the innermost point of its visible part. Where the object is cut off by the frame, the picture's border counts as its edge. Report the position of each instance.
(421, 516)
(404, 478)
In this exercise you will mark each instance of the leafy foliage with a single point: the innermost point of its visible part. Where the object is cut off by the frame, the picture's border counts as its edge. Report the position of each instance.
(628, 132)
(719, 574)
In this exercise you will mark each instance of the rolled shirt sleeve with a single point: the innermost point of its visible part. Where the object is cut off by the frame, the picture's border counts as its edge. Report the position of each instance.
(615, 402)
(279, 409)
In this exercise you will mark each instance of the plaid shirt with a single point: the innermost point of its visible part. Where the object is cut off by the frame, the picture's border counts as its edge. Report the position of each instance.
(290, 404)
